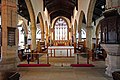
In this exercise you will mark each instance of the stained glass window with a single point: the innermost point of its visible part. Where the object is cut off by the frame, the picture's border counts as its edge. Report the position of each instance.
(61, 29)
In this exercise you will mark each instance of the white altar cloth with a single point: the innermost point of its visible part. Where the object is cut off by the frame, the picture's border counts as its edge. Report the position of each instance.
(67, 51)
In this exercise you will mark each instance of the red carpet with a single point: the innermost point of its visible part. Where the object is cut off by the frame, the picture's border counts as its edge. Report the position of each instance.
(82, 65)
(34, 65)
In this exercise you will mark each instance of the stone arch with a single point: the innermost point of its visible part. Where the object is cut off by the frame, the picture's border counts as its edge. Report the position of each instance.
(66, 23)
(59, 18)
(81, 20)
(89, 22)
(25, 28)
(71, 30)
(33, 23)
(41, 25)
(90, 12)
(74, 30)
(46, 30)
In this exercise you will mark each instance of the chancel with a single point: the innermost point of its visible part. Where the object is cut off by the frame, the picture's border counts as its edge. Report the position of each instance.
(48, 39)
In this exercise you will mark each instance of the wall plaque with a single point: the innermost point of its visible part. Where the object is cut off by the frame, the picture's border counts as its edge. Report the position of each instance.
(11, 36)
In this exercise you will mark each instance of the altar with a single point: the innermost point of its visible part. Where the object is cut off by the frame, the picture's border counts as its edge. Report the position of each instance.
(65, 51)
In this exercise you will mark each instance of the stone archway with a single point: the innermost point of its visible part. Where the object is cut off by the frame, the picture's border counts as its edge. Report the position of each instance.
(74, 30)
(66, 24)
(90, 12)
(33, 23)
(81, 17)
(89, 22)
(46, 30)
(25, 28)
(41, 25)
(74, 35)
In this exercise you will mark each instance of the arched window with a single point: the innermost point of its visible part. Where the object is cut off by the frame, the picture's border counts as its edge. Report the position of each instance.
(61, 29)
(83, 33)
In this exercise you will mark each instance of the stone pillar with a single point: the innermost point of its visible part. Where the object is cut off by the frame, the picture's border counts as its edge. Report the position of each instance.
(75, 41)
(68, 33)
(46, 26)
(9, 59)
(50, 35)
(89, 37)
(79, 32)
(72, 38)
(42, 36)
(33, 24)
(79, 38)
(53, 31)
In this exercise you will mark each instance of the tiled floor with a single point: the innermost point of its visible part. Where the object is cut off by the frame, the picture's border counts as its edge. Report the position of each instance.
(57, 72)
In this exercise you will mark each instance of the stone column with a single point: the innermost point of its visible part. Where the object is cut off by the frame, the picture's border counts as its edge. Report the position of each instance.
(79, 32)
(50, 35)
(53, 31)
(42, 36)
(72, 38)
(9, 59)
(33, 24)
(68, 33)
(46, 26)
(79, 38)
(75, 41)
(89, 37)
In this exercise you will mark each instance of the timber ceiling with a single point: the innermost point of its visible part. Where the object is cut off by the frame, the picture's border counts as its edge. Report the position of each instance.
(99, 9)
(61, 8)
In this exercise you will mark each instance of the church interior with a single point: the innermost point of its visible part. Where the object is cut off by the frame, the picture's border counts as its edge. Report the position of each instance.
(59, 39)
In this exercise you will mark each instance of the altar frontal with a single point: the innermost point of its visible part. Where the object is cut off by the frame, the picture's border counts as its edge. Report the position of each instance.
(59, 51)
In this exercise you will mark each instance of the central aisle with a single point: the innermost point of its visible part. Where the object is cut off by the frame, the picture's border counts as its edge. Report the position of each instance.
(64, 73)
(61, 69)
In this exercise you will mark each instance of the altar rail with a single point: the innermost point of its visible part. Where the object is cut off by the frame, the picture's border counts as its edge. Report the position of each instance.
(61, 42)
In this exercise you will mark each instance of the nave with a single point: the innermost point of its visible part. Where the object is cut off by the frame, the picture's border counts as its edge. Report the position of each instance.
(60, 69)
